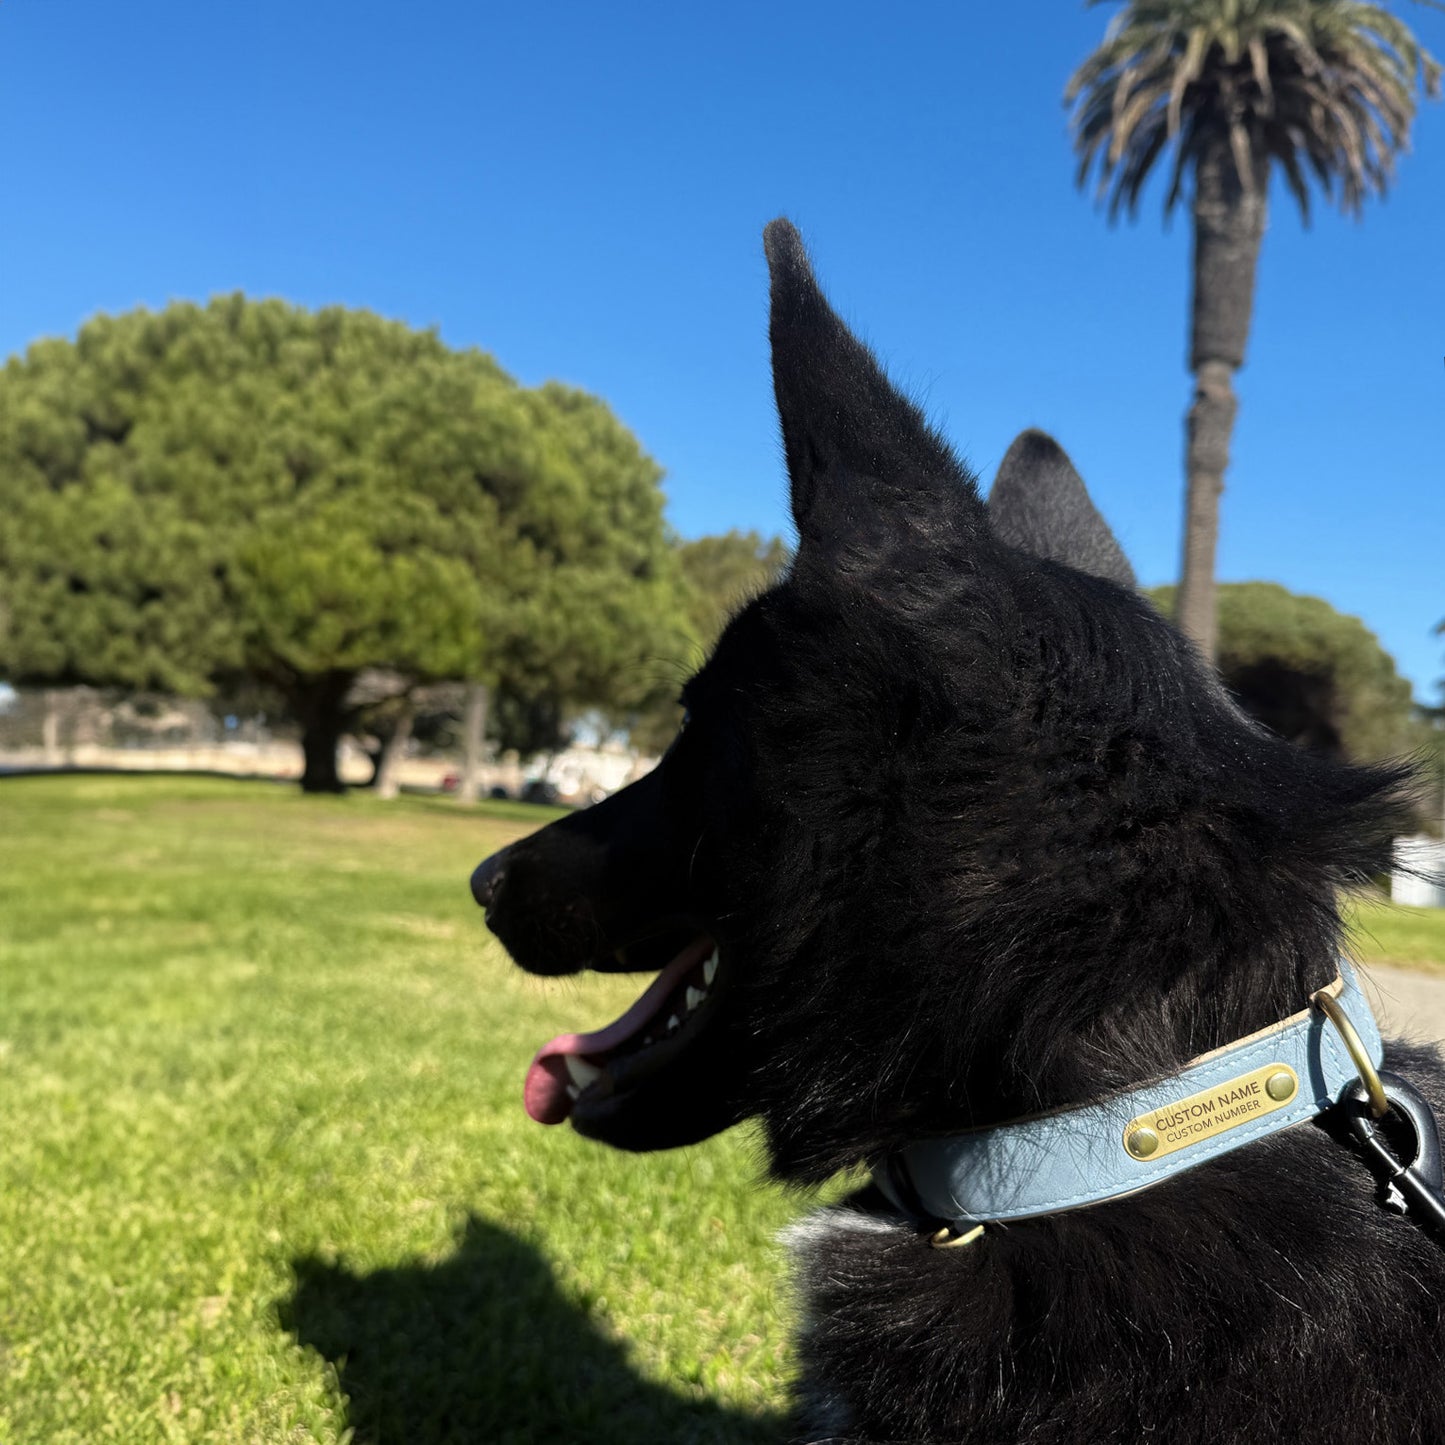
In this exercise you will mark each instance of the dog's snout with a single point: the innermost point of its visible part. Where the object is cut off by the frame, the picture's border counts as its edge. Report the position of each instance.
(487, 878)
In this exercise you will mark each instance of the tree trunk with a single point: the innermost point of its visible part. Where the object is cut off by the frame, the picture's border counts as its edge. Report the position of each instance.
(50, 728)
(474, 724)
(1229, 219)
(386, 781)
(319, 704)
(1207, 427)
(374, 756)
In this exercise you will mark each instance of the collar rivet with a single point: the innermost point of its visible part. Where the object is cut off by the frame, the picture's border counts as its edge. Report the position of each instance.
(1280, 1086)
(1142, 1143)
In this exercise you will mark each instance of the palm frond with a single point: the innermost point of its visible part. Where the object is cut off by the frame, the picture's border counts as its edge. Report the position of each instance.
(1325, 88)
(1196, 48)
(1288, 159)
(1259, 64)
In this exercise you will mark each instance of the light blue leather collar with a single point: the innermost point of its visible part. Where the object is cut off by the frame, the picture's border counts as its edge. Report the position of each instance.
(1065, 1160)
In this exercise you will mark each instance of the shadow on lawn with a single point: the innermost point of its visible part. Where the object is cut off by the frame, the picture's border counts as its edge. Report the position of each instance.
(484, 1348)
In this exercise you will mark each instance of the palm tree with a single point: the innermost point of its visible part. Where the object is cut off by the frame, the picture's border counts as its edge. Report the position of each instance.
(1324, 88)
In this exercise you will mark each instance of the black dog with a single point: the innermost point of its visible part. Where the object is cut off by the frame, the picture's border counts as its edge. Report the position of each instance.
(959, 830)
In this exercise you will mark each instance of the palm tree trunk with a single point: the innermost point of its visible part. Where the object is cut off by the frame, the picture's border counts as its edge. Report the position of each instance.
(1229, 220)
(1208, 427)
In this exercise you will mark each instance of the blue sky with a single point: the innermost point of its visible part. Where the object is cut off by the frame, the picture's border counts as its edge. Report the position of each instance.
(579, 189)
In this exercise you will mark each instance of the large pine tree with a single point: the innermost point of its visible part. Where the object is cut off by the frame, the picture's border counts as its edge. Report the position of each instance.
(247, 489)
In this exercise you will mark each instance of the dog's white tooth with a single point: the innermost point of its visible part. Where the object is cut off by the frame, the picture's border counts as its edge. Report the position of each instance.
(709, 969)
(573, 1092)
(582, 1072)
(694, 997)
(673, 1023)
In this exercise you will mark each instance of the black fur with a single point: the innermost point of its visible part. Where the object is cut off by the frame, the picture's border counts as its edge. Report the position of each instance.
(1040, 504)
(979, 835)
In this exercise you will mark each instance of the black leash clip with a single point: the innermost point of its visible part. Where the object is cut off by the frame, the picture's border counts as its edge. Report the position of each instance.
(1415, 1186)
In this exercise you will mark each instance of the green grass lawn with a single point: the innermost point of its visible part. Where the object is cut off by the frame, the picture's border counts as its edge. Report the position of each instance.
(1383, 932)
(264, 1169)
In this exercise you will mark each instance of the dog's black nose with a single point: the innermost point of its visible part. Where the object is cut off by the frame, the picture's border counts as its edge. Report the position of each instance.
(487, 878)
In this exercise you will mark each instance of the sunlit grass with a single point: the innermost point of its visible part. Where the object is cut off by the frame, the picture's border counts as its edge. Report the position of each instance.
(264, 1170)
(1384, 932)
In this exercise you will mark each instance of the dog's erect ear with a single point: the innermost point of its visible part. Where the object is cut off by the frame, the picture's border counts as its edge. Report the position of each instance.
(862, 461)
(1039, 503)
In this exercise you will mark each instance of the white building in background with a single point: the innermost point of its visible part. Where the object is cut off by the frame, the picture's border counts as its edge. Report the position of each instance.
(584, 774)
(1418, 879)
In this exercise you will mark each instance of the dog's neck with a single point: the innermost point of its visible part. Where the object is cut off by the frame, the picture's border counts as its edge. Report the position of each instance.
(1068, 1159)
(1012, 1041)
(1088, 1025)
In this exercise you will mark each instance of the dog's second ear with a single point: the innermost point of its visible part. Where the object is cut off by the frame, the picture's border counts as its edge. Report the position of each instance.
(867, 472)
(1040, 504)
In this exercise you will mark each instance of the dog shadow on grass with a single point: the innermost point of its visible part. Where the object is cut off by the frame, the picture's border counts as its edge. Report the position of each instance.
(483, 1347)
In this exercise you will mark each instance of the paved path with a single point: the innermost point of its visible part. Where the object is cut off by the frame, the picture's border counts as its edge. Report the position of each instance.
(1410, 1005)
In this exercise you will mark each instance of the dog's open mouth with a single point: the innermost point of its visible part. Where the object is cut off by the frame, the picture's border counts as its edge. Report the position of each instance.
(576, 1069)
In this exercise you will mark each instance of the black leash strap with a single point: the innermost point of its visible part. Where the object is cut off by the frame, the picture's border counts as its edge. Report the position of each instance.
(1413, 1187)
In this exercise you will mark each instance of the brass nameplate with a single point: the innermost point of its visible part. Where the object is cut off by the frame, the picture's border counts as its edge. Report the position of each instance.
(1210, 1113)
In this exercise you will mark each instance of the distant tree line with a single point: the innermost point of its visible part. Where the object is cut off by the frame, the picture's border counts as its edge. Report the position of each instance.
(1314, 675)
(340, 519)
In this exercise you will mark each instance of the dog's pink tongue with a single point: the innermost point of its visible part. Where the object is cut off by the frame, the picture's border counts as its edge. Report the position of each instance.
(545, 1092)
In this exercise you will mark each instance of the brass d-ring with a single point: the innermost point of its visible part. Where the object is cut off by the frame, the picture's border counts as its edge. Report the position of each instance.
(1329, 1005)
(945, 1238)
